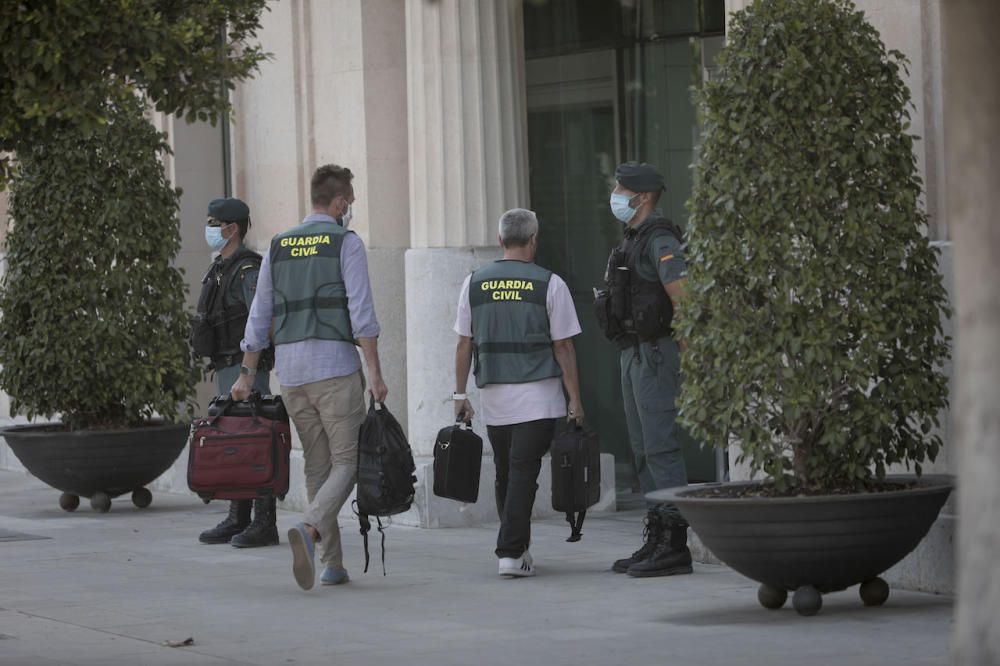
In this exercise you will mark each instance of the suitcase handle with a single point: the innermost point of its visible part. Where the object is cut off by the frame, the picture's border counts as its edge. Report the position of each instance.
(224, 404)
(461, 423)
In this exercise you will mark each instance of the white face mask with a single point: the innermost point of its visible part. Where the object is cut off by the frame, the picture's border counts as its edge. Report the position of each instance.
(345, 219)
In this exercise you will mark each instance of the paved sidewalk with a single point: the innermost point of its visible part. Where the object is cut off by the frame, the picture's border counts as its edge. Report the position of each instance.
(108, 589)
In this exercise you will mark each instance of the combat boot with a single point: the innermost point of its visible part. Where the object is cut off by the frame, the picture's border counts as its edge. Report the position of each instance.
(263, 530)
(650, 535)
(671, 556)
(234, 523)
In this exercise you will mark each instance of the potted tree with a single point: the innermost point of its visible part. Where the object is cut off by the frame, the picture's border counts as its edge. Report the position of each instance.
(94, 327)
(815, 307)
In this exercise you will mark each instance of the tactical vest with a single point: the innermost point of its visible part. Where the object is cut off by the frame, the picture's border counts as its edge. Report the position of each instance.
(310, 297)
(634, 309)
(510, 324)
(220, 320)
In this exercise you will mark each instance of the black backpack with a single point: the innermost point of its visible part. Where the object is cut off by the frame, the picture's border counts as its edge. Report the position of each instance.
(385, 472)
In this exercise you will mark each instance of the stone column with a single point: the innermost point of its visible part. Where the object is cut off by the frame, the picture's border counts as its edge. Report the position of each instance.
(334, 92)
(735, 6)
(972, 172)
(468, 164)
(4, 196)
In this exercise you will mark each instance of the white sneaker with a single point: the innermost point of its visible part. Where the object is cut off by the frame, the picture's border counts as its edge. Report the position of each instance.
(517, 567)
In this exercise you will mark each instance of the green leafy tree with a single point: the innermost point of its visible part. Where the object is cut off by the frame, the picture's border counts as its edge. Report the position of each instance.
(814, 317)
(71, 62)
(94, 325)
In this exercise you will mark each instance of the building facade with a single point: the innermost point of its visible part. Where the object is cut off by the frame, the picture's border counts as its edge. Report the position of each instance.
(452, 111)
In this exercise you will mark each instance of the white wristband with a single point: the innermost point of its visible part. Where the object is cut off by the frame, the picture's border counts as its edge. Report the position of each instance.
(459, 396)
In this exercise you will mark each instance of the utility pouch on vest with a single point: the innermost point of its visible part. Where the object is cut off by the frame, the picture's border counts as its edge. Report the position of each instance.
(607, 322)
(612, 305)
(651, 320)
(202, 335)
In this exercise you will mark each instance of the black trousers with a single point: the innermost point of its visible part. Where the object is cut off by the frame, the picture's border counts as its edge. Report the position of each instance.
(517, 452)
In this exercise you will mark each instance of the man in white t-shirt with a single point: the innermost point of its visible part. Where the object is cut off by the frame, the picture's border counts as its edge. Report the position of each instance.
(516, 322)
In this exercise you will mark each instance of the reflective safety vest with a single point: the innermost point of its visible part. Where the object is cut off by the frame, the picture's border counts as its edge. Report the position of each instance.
(510, 324)
(310, 297)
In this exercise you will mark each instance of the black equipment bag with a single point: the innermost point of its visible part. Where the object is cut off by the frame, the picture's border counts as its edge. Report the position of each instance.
(576, 476)
(385, 472)
(269, 407)
(458, 459)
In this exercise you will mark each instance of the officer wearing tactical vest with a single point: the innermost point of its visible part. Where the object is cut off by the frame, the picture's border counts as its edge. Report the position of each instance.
(516, 321)
(645, 280)
(315, 292)
(226, 293)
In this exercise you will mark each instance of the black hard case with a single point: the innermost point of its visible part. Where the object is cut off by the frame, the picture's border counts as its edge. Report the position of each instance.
(269, 407)
(576, 470)
(458, 459)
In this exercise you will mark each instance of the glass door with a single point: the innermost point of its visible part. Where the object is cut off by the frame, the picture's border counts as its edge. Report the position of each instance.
(607, 81)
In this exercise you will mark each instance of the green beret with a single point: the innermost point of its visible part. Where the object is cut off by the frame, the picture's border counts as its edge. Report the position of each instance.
(228, 210)
(639, 177)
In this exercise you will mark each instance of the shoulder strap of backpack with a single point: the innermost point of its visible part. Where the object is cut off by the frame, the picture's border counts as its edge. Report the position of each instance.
(381, 530)
(575, 525)
(366, 526)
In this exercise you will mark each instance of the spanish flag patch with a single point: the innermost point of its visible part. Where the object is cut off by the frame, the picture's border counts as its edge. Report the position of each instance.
(666, 257)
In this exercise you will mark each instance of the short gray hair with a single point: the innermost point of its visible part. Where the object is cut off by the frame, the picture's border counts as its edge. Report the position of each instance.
(517, 226)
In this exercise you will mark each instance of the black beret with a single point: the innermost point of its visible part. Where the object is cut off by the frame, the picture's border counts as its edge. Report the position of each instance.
(639, 177)
(228, 210)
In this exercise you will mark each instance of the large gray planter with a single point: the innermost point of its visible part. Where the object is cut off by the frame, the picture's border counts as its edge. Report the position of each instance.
(98, 464)
(814, 545)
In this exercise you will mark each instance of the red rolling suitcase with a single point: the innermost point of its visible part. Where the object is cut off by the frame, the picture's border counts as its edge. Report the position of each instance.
(242, 450)
(458, 459)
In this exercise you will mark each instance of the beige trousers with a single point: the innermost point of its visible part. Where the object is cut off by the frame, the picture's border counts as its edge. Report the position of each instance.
(328, 415)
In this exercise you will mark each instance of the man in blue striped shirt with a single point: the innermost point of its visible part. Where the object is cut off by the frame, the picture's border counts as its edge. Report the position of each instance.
(315, 291)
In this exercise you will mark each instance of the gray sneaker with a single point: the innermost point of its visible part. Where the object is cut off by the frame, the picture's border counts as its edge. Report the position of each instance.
(334, 576)
(303, 556)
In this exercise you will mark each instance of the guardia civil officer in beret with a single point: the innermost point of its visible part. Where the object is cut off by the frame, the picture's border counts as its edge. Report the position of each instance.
(227, 291)
(645, 278)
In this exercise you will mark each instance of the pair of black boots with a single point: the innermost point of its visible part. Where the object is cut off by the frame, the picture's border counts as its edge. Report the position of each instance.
(238, 530)
(664, 552)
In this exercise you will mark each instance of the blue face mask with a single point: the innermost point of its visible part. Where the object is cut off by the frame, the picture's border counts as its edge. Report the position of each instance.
(214, 238)
(620, 207)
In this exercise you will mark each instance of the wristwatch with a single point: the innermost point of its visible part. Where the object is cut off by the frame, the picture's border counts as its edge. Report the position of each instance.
(244, 370)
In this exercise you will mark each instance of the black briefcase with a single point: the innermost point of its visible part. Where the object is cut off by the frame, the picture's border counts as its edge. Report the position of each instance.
(576, 475)
(458, 459)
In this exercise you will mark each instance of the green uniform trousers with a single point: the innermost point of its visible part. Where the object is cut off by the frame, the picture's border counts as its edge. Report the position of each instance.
(651, 382)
